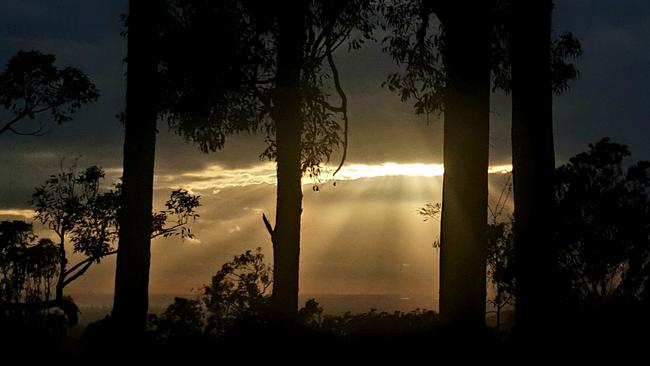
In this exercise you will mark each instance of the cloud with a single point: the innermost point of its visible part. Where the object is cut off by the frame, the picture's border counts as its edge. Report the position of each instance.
(17, 213)
(217, 177)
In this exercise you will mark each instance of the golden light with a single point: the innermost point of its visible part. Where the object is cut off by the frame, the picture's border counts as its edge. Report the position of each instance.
(216, 177)
(500, 169)
(17, 213)
(389, 169)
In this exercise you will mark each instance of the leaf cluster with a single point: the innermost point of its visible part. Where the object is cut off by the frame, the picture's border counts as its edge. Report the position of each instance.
(32, 85)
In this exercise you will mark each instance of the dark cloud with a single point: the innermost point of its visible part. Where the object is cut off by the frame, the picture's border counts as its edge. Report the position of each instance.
(611, 96)
(85, 21)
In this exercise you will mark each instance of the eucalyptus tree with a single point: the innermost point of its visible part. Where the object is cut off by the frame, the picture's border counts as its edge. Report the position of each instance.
(270, 69)
(131, 300)
(538, 71)
(32, 86)
(419, 41)
(451, 71)
(83, 217)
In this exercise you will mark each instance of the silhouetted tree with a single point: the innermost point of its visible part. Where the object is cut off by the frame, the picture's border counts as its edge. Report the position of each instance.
(305, 132)
(533, 161)
(271, 74)
(466, 132)
(500, 250)
(426, 57)
(238, 292)
(603, 227)
(32, 86)
(72, 205)
(289, 124)
(501, 267)
(27, 264)
(537, 72)
(131, 300)
(451, 71)
(181, 324)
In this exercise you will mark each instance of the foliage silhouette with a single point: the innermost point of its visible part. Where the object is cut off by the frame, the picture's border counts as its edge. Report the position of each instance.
(207, 95)
(602, 226)
(238, 292)
(27, 263)
(236, 305)
(272, 73)
(432, 76)
(500, 267)
(74, 207)
(32, 86)
(416, 41)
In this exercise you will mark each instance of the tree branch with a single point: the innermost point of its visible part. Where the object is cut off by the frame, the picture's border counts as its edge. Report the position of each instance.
(269, 228)
(86, 263)
(8, 125)
(168, 230)
(344, 106)
(83, 270)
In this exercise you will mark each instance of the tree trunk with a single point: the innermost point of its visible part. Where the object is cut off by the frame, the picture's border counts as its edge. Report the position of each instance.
(288, 126)
(463, 241)
(63, 263)
(533, 163)
(132, 274)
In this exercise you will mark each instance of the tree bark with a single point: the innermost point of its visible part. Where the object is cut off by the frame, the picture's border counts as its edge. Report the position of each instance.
(288, 126)
(132, 274)
(463, 249)
(533, 163)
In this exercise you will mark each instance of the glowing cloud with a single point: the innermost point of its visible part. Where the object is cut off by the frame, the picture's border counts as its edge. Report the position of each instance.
(500, 169)
(216, 177)
(28, 214)
(358, 171)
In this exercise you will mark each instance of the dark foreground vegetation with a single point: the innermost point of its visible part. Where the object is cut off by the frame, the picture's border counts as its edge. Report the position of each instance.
(601, 228)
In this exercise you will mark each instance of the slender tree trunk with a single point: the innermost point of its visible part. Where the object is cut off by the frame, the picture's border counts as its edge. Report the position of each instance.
(533, 163)
(288, 127)
(498, 317)
(132, 275)
(63, 263)
(463, 237)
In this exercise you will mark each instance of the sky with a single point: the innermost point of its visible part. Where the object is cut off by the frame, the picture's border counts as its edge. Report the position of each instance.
(360, 237)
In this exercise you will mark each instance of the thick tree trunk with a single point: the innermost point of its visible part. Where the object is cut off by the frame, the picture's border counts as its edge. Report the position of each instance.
(463, 249)
(132, 275)
(533, 163)
(288, 127)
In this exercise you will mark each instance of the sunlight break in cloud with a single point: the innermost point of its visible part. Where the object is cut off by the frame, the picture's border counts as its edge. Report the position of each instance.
(358, 171)
(216, 177)
(28, 214)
